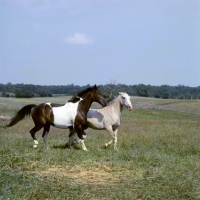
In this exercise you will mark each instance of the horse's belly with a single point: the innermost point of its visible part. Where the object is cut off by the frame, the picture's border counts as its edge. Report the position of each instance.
(95, 124)
(61, 126)
(63, 122)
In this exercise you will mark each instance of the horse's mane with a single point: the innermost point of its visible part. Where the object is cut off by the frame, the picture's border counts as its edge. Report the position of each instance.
(80, 94)
(84, 92)
(112, 101)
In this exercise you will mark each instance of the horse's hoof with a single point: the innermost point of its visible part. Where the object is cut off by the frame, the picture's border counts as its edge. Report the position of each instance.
(34, 146)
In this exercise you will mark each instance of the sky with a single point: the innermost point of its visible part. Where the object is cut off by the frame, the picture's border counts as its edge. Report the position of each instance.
(82, 42)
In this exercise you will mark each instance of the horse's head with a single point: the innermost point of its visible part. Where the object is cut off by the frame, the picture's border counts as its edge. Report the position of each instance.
(126, 100)
(98, 97)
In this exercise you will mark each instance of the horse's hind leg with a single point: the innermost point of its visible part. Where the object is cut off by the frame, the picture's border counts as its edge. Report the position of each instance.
(71, 137)
(109, 129)
(45, 134)
(32, 132)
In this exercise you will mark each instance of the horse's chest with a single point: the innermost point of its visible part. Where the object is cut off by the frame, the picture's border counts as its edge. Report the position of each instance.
(114, 121)
(116, 125)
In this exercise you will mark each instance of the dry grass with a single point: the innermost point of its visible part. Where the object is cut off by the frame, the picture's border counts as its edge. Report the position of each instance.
(98, 174)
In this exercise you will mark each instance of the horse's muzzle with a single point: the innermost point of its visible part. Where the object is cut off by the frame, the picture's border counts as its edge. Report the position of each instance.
(129, 108)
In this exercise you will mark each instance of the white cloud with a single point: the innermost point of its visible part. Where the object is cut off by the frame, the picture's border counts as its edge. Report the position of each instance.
(78, 38)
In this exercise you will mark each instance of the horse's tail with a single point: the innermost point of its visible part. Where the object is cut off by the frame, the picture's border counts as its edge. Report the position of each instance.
(23, 112)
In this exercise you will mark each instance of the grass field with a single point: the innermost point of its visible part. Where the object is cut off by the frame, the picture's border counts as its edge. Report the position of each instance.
(158, 158)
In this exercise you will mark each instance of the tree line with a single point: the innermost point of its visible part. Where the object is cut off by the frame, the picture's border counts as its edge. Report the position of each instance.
(163, 91)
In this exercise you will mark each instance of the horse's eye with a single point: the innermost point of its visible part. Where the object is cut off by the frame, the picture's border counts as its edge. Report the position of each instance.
(123, 97)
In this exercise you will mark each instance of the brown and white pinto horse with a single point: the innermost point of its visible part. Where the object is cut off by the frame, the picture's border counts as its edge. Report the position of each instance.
(70, 115)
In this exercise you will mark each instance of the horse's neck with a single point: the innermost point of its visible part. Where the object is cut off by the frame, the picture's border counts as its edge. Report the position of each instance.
(85, 104)
(116, 105)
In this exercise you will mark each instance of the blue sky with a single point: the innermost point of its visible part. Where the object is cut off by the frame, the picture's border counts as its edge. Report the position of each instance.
(61, 42)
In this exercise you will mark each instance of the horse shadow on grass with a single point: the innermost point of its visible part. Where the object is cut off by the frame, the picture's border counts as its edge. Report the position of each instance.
(65, 146)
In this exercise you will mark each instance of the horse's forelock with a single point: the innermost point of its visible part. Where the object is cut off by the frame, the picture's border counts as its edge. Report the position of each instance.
(123, 94)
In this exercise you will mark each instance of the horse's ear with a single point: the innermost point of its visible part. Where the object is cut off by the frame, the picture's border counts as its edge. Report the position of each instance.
(95, 86)
(120, 93)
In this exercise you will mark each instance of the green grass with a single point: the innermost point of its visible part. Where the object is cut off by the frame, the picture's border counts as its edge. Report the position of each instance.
(158, 158)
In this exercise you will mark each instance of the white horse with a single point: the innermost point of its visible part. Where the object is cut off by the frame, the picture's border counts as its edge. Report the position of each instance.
(106, 118)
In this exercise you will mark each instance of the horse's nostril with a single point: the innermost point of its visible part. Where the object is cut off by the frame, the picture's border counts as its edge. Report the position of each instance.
(130, 107)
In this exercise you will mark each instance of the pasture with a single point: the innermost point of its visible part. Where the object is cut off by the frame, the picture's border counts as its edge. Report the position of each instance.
(158, 158)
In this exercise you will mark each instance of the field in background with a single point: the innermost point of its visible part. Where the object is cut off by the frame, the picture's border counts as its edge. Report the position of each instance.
(158, 158)
(138, 102)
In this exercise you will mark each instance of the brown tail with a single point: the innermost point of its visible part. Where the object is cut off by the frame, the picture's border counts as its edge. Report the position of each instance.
(23, 112)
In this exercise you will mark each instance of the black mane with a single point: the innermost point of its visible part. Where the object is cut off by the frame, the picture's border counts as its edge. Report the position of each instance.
(84, 92)
(80, 94)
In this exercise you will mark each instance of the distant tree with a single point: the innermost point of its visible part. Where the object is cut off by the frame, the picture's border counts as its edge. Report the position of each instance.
(43, 93)
(114, 88)
(157, 95)
(23, 94)
(3, 94)
(142, 90)
(166, 95)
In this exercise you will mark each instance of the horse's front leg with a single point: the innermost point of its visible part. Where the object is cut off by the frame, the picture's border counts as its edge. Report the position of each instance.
(114, 136)
(115, 140)
(79, 131)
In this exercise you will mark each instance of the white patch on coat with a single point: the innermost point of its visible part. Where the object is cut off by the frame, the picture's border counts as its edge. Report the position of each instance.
(64, 116)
